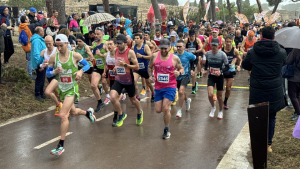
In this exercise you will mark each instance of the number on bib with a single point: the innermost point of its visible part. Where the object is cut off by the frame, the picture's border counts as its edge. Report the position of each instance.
(65, 79)
(141, 65)
(191, 50)
(121, 70)
(99, 62)
(163, 78)
(213, 71)
(111, 73)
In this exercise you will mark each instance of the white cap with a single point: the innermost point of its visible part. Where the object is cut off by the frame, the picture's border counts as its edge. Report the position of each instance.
(61, 38)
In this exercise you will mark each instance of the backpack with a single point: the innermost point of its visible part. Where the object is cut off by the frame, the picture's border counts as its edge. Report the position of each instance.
(23, 38)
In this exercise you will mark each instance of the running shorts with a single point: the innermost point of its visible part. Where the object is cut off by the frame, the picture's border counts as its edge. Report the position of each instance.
(168, 93)
(71, 92)
(100, 71)
(90, 71)
(130, 89)
(219, 81)
(143, 74)
(183, 82)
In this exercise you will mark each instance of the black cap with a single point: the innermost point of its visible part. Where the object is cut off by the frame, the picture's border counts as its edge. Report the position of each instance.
(215, 41)
(164, 43)
(121, 38)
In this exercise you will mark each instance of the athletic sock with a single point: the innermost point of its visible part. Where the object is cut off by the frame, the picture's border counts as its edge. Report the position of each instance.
(121, 116)
(194, 87)
(87, 114)
(61, 143)
(225, 100)
(107, 95)
(139, 116)
(167, 128)
(99, 101)
(144, 87)
(215, 92)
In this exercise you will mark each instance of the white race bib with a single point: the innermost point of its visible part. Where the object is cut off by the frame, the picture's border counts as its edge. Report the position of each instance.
(191, 50)
(141, 65)
(111, 73)
(120, 70)
(213, 71)
(65, 79)
(163, 78)
(99, 62)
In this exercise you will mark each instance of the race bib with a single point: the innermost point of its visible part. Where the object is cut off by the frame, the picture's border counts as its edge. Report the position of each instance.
(66, 79)
(191, 50)
(120, 70)
(99, 62)
(163, 78)
(111, 73)
(250, 48)
(213, 71)
(141, 65)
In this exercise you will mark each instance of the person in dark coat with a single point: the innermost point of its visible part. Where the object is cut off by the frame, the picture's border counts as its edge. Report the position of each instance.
(9, 46)
(265, 62)
(3, 29)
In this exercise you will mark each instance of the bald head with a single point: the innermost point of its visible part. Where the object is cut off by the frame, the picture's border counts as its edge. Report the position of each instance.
(49, 38)
(238, 33)
(49, 42)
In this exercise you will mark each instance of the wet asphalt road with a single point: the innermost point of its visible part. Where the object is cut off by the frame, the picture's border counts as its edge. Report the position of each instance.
(197, 141)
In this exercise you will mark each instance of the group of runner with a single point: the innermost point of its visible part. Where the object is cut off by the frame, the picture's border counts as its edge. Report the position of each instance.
(118, 65)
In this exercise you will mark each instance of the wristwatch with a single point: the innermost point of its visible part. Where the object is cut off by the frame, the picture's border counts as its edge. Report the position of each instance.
(125, 65)
(179, 73)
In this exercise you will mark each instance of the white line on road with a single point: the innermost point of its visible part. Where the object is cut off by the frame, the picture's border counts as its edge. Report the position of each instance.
(103, 117)
(144, 99)
(50, 141)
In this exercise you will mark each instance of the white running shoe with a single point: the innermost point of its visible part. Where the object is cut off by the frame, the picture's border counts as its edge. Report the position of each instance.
(212, 112)
(124, 97)
(179, 114)
(220, 115)
(188, 104)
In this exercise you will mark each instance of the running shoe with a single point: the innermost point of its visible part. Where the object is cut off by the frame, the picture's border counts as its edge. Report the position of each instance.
(226, 107)
(57, 151)
(294, 117)
(179, 114)
(91, 115)
(115, 119)
(138, 97)
(124, 97)
(198, 76)
(58, 107)
(176, 99)
(220, 115)
(196, 86)
(215, 97)
(152, 98)
(99, 106)
(201, 74)
(143, 92)
(119, 123)
(106, 101)
(188, 104)
(140, 118)
(166, 134)
(212, 112)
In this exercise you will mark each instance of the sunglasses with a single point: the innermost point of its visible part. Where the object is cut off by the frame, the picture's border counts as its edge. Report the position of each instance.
(179, 46)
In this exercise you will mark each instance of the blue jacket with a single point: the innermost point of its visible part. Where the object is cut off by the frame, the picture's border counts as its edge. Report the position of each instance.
(6, 19)
(37, 45)
(128, 30)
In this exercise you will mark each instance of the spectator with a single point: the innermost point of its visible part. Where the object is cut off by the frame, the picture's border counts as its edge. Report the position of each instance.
(89, 38)
(180, 27)
(51, 28)
(54, 16)
(8, 43)
(245, 30)
(31, 15)
(3, 29)
(74, 24)
(265, 62)
(238, 39)
(83, 29)
(71, 38)
(29, 30)
(37, 45)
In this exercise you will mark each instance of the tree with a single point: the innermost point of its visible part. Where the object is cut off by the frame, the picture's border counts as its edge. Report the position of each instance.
(168, 2)
(38, 4)
(213, 10)
(195, 3)
(49, 6)
(106, 6)
(274, 3)
(59, 5)
(239, 5)
(229, 10)
(201, 8)
(156, 10)
(259, 6)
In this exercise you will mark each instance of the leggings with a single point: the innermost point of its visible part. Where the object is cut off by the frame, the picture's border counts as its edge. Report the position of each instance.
(294, 94)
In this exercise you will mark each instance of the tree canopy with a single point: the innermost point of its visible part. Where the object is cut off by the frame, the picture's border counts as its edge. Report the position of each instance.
(26, 4)
(168, 2)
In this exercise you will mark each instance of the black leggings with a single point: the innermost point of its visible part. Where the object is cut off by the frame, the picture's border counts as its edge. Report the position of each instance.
(294, 94)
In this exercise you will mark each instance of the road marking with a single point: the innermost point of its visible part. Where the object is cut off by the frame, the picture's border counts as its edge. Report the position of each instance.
(202, 85)
(144, 99)
(103, 117)
(50, 141)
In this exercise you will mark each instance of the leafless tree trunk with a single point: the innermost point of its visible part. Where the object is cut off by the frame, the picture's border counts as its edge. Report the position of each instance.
(229, 10)
(202, 8)
(49, 6)
(106, 6)
(239, 6)
(213, 10)
(156, 10)
(275, 6)
(259, 6)
(59, 5)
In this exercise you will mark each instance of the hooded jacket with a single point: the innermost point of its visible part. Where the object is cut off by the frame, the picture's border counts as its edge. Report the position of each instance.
(37, 45)
(6, 18)
(265, 62)
(2, 32)
(128, 30)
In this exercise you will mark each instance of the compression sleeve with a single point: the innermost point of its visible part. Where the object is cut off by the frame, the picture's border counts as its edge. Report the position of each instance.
(85, 64)
(50, 72)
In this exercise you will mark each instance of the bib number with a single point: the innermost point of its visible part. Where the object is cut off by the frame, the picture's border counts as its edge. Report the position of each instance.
(66, 79)
(191, 50)
(141, 65)
(121, 70)
(111, 73)
(99, 62)
(213, 71)
(163, 78)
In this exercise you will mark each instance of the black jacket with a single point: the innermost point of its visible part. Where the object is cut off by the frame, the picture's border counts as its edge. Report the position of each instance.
(31, 19)
(265, 62)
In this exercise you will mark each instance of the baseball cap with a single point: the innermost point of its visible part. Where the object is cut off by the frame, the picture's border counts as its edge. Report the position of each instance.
(61, 38)
(215, 41)
(215, 30)
(164, 43)
(32, 9)
(121, 38)
(173, 33)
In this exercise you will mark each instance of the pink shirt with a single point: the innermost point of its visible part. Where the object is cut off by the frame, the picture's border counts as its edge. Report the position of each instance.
(73, 23)
(55, 21)
(164, 73)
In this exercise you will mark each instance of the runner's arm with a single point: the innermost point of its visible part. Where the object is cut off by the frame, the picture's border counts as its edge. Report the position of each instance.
(89, 52)
(79, 59)
(199, 45)
(148, 52)
(239, 58)
(132, 58)
(178, 65)
(50, 72)
(150, 66)
(243, 45)
(205, 44)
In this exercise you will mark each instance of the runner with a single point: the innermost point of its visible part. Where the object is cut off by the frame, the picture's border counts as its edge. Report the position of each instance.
(194, 45)
(165, 65)
(143, 55)
(233, 59)
(63, 65)
(186, 59)
(150, 43)
(214, 61)
(99, 54)
(157, 37)
(248, 42)
(125, 61)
